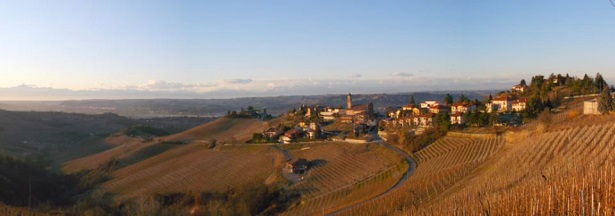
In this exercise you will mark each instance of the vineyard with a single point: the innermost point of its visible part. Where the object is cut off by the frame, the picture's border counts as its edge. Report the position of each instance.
(565, 171)
(223, 130)
(193, 168)
(345, 174)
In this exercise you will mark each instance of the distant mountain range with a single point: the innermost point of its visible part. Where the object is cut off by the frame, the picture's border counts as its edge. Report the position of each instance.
(141, 108)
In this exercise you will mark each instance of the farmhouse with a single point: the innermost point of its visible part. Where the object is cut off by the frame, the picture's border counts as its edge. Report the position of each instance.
(502, 103)
(428, 104)
(519, 105)
(590, 107)
(297, 165)
(271, 133)
(519, 88)
(408, 107)
(291, 135)
(461, 107)
(457, 118)
(438, 109)
(425, 120)
(330, 113)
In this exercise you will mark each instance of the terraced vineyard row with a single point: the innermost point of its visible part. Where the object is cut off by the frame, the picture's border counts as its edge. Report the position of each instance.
(339, 165)
(570, 171)
(440, 166)
(564, 172)
(197, 170)
(351, 194)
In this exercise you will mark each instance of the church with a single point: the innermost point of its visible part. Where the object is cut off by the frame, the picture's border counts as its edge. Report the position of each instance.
(357, 114)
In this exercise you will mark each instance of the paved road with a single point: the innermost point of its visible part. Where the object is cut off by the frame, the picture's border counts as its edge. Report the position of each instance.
(287, 154)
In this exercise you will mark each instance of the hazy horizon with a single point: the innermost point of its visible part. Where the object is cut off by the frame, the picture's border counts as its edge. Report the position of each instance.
(158, 49)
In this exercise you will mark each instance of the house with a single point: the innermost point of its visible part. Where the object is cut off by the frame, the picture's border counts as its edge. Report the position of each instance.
(519, 88)
(428, 104)
(457, 118)
(438, 109)
(271, 133)
(490, 107)
(346, 119)
(419, 111)
(519, 105)
(314, 131)
(297, 165)
(424, 120)
(461, 107)
(291, 135)
(408, 107)
(502, 103)
(590, 107)
(331, 113)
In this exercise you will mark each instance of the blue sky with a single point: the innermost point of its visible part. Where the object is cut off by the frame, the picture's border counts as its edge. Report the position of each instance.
(300, 47)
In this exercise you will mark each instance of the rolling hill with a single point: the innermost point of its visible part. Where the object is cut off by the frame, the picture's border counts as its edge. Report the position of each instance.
(131, 150)
(567, 170)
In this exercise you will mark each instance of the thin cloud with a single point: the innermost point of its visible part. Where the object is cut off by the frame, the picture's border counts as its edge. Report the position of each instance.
(163, 85)
(402, 74)
(238, 81)
(356, 76)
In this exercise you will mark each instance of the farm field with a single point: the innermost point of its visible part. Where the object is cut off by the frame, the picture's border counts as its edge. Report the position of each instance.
(344, 174)
(563, 171)
(194, 168)
(132, 150)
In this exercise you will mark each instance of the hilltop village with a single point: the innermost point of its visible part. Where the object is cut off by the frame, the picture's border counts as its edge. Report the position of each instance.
(361, 123)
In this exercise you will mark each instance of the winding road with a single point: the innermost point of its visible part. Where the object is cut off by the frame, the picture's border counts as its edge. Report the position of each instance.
(402, 181)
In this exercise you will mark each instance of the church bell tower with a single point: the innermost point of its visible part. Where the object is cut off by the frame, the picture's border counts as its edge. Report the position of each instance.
(349, 101)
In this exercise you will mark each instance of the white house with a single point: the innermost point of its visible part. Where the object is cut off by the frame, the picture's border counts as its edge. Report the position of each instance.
(457, 118)
(590, 107)
(428, 104)
(461, 107)
(519, 105)
(503, 103)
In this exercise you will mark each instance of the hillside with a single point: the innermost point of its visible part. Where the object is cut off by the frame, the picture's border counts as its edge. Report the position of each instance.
(344, 174)
(55, 137)
(563, 171)
(131, 150)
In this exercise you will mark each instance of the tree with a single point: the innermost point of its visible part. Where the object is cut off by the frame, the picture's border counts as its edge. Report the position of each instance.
(463, 98)
(599, 82)
(443, 121)
(490, 98)
(522, 83)
(605, 101)
(448, 99)
(412, 102)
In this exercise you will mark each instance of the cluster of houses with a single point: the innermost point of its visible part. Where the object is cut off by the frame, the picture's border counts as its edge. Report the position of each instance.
(423, 116)
(361, 116)
(506, 103)
(304, 129)
(355, 114)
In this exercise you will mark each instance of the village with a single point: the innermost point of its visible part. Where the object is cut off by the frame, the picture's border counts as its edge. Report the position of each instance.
(360, 123)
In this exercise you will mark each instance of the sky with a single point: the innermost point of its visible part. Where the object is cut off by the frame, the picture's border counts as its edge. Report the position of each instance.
(202, 49)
